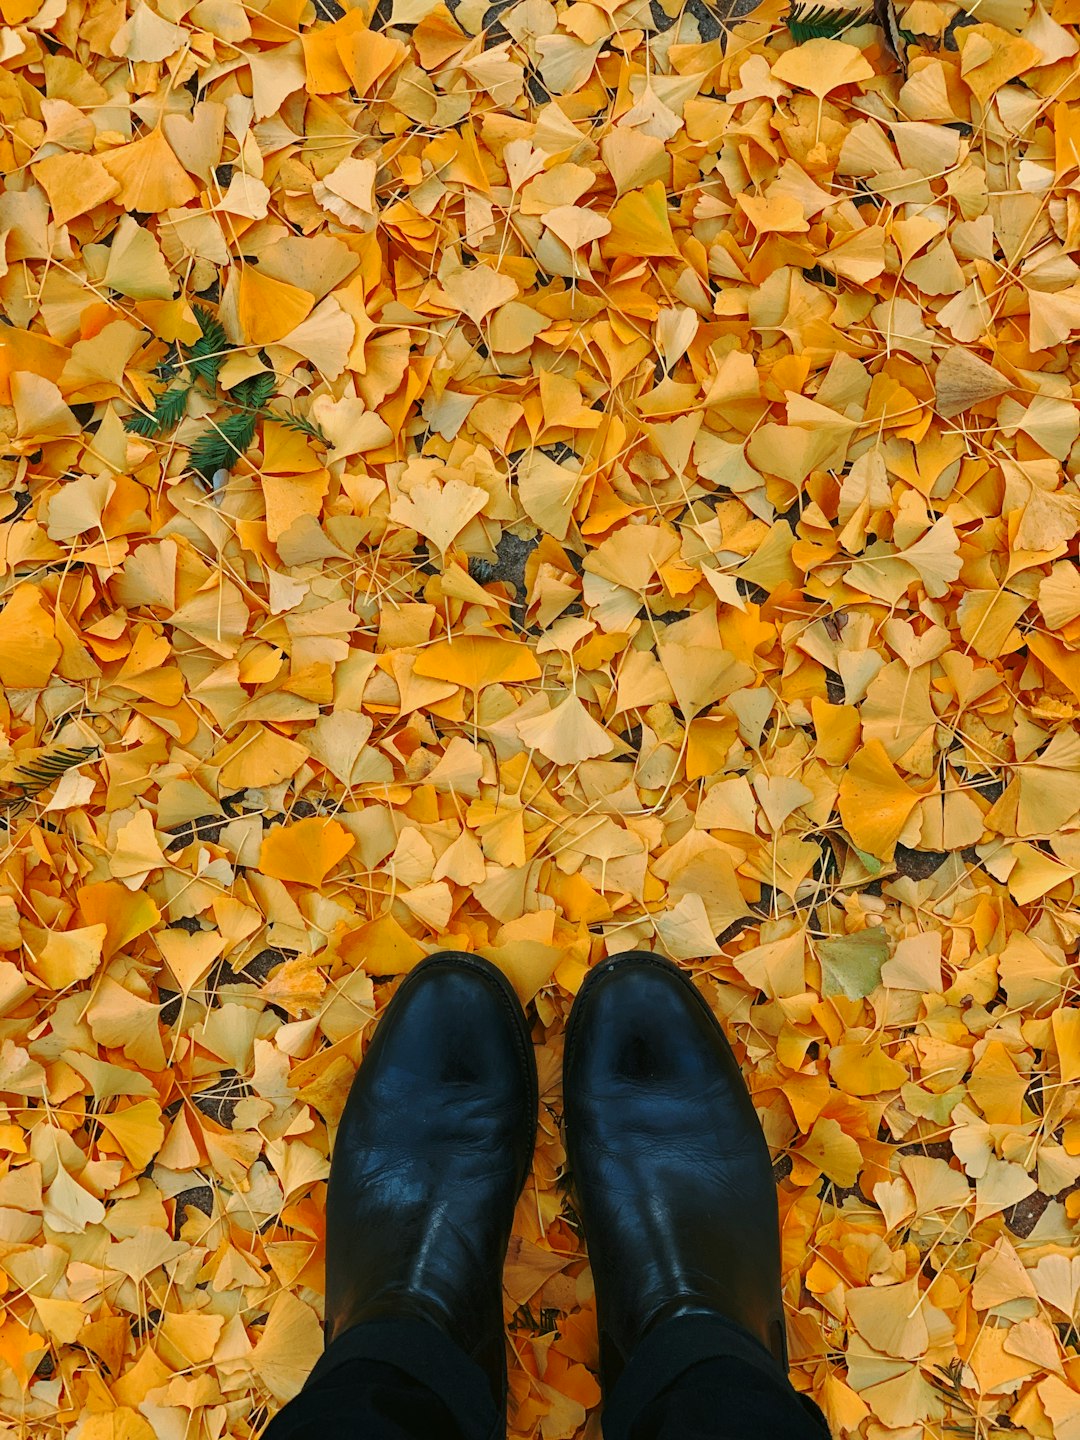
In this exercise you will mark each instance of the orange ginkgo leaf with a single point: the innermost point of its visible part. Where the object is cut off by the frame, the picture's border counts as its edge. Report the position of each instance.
(305, 850)
(74, 184)
(124, 913)
(269, 308)
(476, 660)
(28, 646)
(19, 1349)
(287, 452)
(875, 801)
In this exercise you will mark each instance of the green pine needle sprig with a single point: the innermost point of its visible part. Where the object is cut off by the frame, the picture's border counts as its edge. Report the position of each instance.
(255, 391)
(26, 781)
(227, 438)
(819, 22)
(167, 413)
(292, 421)
(223, 444)
(207, 355)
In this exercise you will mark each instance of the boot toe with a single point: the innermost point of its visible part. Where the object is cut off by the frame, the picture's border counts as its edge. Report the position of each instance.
(455, 1025)
(639, 1026)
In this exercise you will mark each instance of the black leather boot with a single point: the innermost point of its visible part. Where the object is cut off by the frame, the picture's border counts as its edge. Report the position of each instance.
(433, 1149)
(668, 1160)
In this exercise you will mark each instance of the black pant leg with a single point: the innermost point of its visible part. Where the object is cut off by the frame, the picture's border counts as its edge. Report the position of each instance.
(365, 1400)
(705, 1378)
(726, 1399)
(393, 1380)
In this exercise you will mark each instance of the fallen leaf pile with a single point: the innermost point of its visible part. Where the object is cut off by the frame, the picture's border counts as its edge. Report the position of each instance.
(651, 520)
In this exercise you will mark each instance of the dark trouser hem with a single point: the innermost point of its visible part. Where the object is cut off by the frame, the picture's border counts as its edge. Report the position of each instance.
(696, 1377)
(392, 1380)
(702, 1377)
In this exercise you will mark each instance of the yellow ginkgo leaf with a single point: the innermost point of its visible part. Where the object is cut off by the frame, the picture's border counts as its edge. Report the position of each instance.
(567, 734)
(68, 956)
(439, 512)
(187, 1339)
(991, 57)
(62, 1319)
(1066, 1027)
(698, 666)
(891, 1318)
(119, 1423)
(290, 497)
(915, 964)
(431, 904)
(831, 1151)
(820, 65)
(864, 1069)
(478, 291)
(149, 175)
(779, 214)
(290, 1344)
(685, 931)
(514, 327)
(641, 224)
(549, 491)
(527, 962)
(136, 265)
(69, 1207)
(190, 957)
(575, 225)
(138, 1131)
(987, 620)
(1004, 1183)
